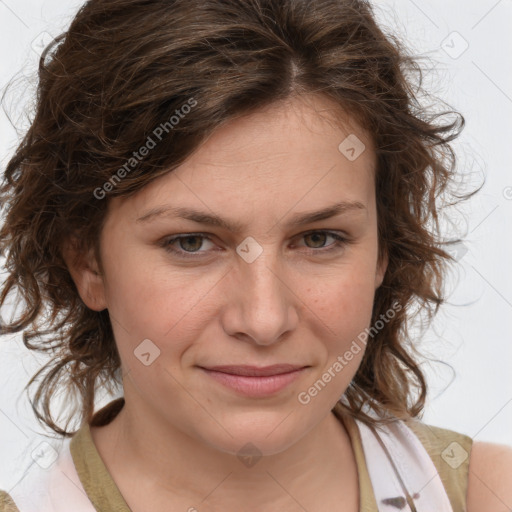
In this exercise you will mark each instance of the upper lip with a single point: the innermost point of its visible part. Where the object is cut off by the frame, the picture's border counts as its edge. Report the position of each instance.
(255, 371)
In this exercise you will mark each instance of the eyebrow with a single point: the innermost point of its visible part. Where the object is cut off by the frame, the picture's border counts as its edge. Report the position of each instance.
(298, 219)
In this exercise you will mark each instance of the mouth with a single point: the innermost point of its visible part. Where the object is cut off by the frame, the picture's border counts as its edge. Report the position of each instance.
(255, 382)
(255, 371)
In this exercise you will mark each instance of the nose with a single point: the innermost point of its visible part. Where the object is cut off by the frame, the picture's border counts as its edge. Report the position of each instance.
(262, 307)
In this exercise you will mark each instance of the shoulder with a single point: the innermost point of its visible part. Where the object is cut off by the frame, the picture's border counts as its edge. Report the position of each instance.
(442, 440)
(6, 503)
(490, 478)
(449, 450)
(477, 472)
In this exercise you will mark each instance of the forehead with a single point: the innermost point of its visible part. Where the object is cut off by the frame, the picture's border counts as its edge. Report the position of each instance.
(298, 128)
(303, 150)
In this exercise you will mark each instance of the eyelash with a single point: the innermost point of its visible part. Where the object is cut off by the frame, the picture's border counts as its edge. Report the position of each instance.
(339, 243)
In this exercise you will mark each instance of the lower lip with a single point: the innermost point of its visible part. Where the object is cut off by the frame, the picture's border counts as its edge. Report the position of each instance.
(255, 386)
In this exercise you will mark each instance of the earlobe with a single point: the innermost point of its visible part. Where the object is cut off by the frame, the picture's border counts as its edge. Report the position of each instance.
(382, 265)
(86, 275)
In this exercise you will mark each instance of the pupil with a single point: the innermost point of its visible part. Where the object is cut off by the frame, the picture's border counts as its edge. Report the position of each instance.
(317, 235)
(187, 239)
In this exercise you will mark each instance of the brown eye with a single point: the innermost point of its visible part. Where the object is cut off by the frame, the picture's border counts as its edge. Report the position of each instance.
(190, 243)
(318, 239)
(186, 246)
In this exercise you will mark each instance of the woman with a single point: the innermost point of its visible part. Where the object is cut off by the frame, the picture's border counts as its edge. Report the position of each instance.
(259, 370)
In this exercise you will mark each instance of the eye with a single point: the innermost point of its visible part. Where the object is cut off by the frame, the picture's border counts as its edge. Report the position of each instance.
(318, 239)
(189, 245)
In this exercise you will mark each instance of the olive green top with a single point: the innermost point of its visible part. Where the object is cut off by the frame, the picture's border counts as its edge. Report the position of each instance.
(106, 497)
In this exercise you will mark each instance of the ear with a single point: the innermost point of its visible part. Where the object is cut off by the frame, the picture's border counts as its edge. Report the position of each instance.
(382, 265)
(85, 272)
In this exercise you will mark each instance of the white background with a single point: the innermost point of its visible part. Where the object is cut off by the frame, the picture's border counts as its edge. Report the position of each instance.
(472, 334)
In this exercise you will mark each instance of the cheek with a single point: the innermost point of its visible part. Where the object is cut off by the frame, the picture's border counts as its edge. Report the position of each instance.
(341, 308)
(150, 300)
(345, 297)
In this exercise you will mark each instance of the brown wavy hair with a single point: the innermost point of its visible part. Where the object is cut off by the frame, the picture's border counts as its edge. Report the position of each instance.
(121, 69)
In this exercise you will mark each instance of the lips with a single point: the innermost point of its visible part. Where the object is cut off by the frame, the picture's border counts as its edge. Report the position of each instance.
(254, 371)
(255, 382)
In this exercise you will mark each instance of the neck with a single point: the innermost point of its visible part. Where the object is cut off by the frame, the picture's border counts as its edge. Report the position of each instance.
(173, 466)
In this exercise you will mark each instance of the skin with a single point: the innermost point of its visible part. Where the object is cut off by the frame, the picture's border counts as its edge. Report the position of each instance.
(291, 304)
(179, 433)
(489, 478)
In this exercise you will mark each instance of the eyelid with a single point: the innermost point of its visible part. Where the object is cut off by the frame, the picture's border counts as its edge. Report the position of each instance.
(341, 240)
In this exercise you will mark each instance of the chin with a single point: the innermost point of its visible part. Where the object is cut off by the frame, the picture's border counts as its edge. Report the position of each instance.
(258, 437)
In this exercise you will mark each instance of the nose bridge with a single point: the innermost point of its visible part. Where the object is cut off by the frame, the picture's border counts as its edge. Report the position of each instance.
(260, 275)
(263, 298)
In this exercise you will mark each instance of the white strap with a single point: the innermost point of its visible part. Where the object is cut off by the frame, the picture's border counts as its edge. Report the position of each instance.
(415, 468)
(51, 483)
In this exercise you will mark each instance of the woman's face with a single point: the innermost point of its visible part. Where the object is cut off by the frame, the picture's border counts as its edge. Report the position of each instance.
(271, 292)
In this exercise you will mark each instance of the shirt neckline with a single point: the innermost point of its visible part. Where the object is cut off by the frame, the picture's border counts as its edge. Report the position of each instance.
(104, 494)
